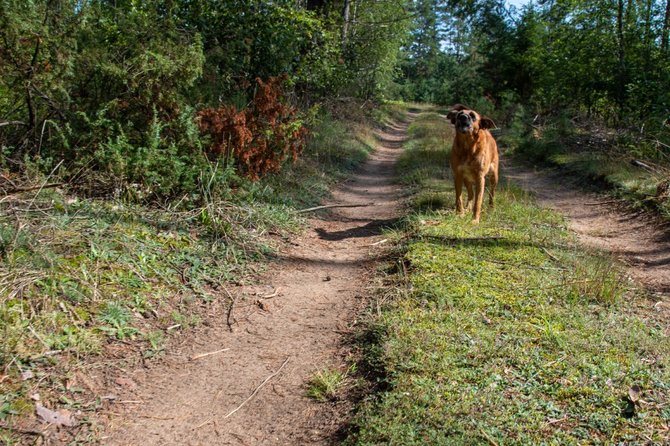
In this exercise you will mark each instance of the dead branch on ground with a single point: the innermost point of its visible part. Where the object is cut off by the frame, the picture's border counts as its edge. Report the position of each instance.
(258, 388)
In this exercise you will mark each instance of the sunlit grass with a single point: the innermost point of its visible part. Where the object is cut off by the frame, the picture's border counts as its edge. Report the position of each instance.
(324, 384)
(508, 332)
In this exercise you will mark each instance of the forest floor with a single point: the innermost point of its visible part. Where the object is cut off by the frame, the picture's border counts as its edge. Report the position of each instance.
(526, 328)
(284, 333)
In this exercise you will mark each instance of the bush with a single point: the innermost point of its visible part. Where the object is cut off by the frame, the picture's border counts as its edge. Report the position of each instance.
(260, 138)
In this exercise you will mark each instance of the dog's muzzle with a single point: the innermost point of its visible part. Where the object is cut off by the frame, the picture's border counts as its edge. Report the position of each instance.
(464, 123)
(465, 127)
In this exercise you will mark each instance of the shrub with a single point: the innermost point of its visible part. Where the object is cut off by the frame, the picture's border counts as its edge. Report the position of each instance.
(260, 138)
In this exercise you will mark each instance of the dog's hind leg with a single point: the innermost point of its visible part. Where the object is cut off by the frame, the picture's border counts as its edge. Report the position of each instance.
(492, 187)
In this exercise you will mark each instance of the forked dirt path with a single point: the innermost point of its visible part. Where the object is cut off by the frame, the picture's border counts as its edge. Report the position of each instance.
(255, 392)
(601, 223)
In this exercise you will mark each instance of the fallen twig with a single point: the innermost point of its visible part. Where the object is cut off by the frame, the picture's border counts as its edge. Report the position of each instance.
(229, 315)
(21, 123)
(645, 166)
(258, 388)
(203, 355)
(270, 296)
(551, 256)
(488, 437)
(329, 206)
(550, 422)
(207, 421)
(381, 242)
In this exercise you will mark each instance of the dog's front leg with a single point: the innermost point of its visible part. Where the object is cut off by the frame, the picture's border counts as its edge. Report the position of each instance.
(471, 194)
(458, 184)
(479, 197)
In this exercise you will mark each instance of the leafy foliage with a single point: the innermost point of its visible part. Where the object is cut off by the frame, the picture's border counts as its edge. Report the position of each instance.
(108, 91)
(607, 59)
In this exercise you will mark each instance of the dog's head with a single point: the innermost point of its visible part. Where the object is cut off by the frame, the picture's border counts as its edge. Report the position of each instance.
(468, 121)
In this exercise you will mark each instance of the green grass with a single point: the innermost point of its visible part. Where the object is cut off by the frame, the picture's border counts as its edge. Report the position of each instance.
(79, 275)
(325, 384)
(507, 332)
(424, 165)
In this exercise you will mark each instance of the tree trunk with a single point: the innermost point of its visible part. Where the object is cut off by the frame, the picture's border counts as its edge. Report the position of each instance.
(647, 23)
(621, 74)
(352, 30)
(31, 110)
(666, 27)
(346, 10)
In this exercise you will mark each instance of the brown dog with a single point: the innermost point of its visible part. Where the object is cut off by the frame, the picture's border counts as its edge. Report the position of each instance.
(473, 157)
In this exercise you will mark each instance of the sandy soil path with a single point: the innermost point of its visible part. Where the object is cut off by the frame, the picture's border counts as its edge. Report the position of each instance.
(280, 341)
(599, 222)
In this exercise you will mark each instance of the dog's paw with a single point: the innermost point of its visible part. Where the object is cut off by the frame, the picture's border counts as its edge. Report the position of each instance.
(475, 221)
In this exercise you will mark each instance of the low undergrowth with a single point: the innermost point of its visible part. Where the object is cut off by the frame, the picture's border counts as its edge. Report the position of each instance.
(507, 333)
(87, 281)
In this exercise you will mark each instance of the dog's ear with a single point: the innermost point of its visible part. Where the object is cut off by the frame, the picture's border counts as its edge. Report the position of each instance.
(451, 116)
(486, 123)
(454, 112)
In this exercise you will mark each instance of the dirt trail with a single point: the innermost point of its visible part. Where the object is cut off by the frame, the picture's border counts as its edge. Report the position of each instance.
(600, 223)
(321, 281)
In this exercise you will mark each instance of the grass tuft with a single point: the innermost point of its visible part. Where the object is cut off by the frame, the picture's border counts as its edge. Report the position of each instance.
(325, 384)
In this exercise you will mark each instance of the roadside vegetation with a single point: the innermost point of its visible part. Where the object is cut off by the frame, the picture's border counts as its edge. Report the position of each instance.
(325, 384)
(507, 332)
(631, 166)
(84, 280)
(153, 153)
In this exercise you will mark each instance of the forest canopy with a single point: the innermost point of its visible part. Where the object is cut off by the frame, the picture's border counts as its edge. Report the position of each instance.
(605, 58)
